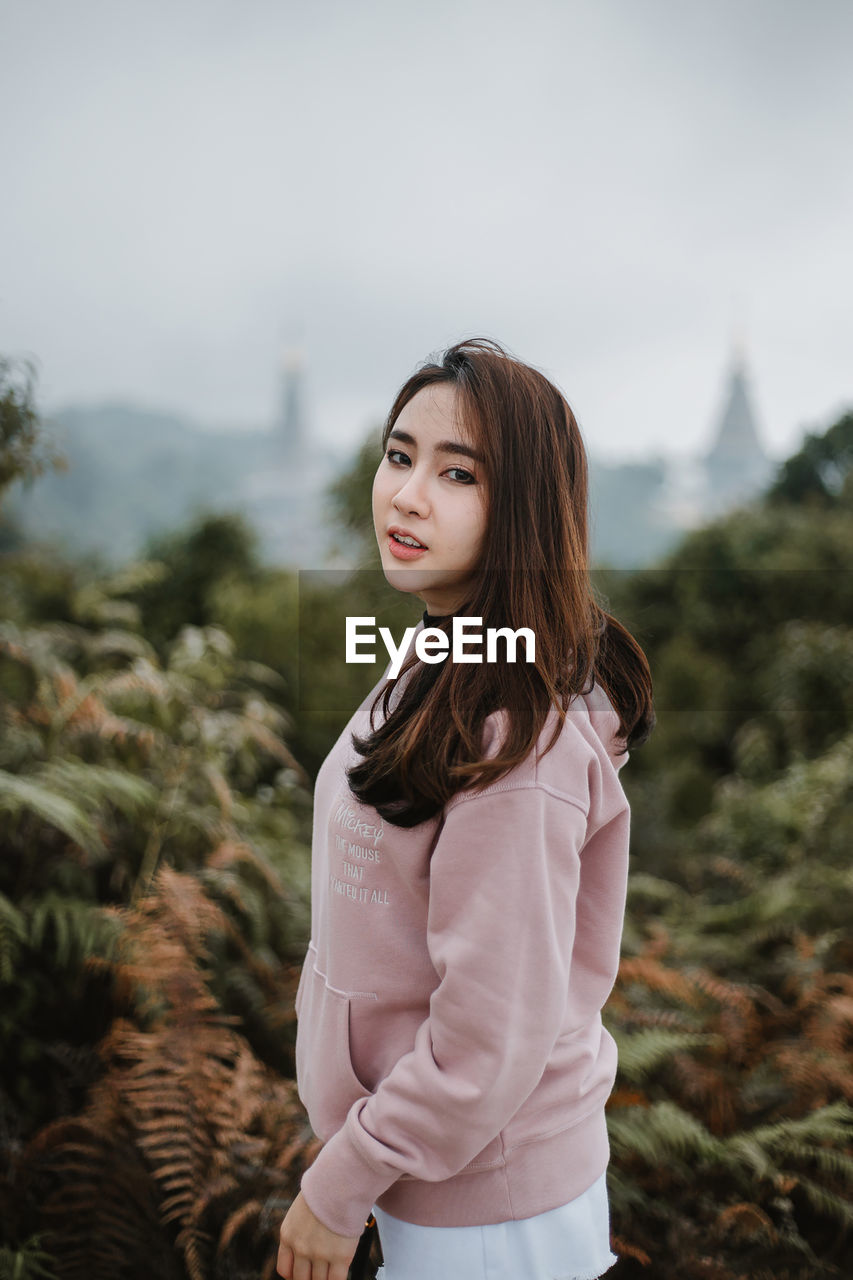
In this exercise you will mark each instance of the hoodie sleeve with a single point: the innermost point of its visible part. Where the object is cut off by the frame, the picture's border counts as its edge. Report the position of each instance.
(504, 878)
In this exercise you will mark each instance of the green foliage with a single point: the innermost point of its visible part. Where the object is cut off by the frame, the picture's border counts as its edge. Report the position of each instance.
(820, 474)
(731, 1120)
(760, 1183)
(643, 1051)
(350, 499)
(13, 933)
(115, 768)
(188, 1144)
(24, 451)
(21, 795)
(727, 1110)
(159, 726)
(215, 548)
(29, 1262)
(747, 627)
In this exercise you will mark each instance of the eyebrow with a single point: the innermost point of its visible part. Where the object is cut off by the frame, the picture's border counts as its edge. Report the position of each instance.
(443, 446)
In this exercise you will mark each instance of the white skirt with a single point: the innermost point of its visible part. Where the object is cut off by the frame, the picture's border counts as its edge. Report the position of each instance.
(571, 1242)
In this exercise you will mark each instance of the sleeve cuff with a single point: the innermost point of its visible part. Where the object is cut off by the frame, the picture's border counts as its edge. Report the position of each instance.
(341, 1186)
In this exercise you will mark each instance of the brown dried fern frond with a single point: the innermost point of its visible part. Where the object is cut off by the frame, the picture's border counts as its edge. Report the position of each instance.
(220, 788)
(242, 1101)
(11, 646)
(77, 706)
(271, 743)
(708, 1091)
(184, 1122)
(730, 869)
(163, 949)
(196, 1246)
(92, 718)
(831, 1025)
(248, 1212)
(304, 1145)
(739, 1019)
(632, 1017)
(817, 1077)
(142, 678)
(100, 1207)
(185, 1096)
(825, 1012)
(746, 1220)
(624, 1249)
(189, 914)
(622, 1096)
(231, 853)
(651, 972)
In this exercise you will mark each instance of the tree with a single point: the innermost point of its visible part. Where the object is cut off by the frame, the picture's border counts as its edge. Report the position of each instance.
(25, 453)
(350, 498)
(193, 560)
(821, 472)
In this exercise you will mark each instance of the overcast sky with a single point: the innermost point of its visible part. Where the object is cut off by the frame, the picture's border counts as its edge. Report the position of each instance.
(612, 189)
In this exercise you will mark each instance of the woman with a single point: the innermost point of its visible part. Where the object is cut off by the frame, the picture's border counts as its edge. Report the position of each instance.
(470, 854)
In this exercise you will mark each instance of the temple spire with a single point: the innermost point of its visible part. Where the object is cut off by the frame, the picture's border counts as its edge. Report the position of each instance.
(736, 465)
(290, 428)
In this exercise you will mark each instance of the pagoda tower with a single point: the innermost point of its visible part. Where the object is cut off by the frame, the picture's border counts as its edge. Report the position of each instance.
(290, 429)
(736, 466)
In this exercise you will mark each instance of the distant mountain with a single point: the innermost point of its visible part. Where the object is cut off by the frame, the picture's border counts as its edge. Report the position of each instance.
(135, 472)
(629, 526)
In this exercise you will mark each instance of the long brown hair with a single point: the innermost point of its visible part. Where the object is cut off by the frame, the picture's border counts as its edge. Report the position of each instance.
(534, 573)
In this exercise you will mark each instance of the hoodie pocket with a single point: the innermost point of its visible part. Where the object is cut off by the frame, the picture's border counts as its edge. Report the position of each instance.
(325, 1077)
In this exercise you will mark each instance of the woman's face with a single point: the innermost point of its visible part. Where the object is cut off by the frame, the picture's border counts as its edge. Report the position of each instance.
(428, 486)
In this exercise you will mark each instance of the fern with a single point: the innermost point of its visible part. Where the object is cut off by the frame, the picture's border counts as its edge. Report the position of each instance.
(659, 1133)
(112, 642)
(100, 1208)
(208, 1127)
(21, 794)
(28, 1262)
(96, 785)
(641, 1052)
(827, 1202)
(81, 929)
(13, 933)
(725, 1056)
(832, 1123)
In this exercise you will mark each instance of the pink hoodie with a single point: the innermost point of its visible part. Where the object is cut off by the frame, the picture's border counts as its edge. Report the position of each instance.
(450, 1050)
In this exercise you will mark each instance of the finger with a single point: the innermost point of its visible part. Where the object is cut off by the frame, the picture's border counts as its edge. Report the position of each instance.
(339, 1270)
(284, 1262)
(302, 1269)
(321, 1271)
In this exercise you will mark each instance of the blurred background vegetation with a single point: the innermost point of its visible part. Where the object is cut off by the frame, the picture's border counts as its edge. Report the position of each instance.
(162, 724)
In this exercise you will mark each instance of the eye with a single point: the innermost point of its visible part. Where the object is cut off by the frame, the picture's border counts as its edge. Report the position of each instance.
(467, 478)
(391, 455)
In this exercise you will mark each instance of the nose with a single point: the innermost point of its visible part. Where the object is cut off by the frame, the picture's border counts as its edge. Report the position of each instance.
(411, 495)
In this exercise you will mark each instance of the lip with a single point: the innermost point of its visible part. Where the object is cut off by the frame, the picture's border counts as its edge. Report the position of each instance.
(399, 549)
(405, 533)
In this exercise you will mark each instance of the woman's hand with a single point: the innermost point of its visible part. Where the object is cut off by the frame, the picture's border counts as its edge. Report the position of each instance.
(308, 1250)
